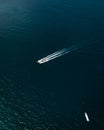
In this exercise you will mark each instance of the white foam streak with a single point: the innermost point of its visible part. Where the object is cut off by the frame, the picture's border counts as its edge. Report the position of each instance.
(86, 116)
(62, 52)
(54, 55)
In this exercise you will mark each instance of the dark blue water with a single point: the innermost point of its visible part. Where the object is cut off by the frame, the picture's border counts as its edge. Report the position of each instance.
(55, 95)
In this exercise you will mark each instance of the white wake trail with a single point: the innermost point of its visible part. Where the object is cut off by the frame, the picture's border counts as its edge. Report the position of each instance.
(62, 52)
(54, 55)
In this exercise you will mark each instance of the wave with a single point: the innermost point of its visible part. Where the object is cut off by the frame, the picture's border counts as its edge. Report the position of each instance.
(62, 52)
